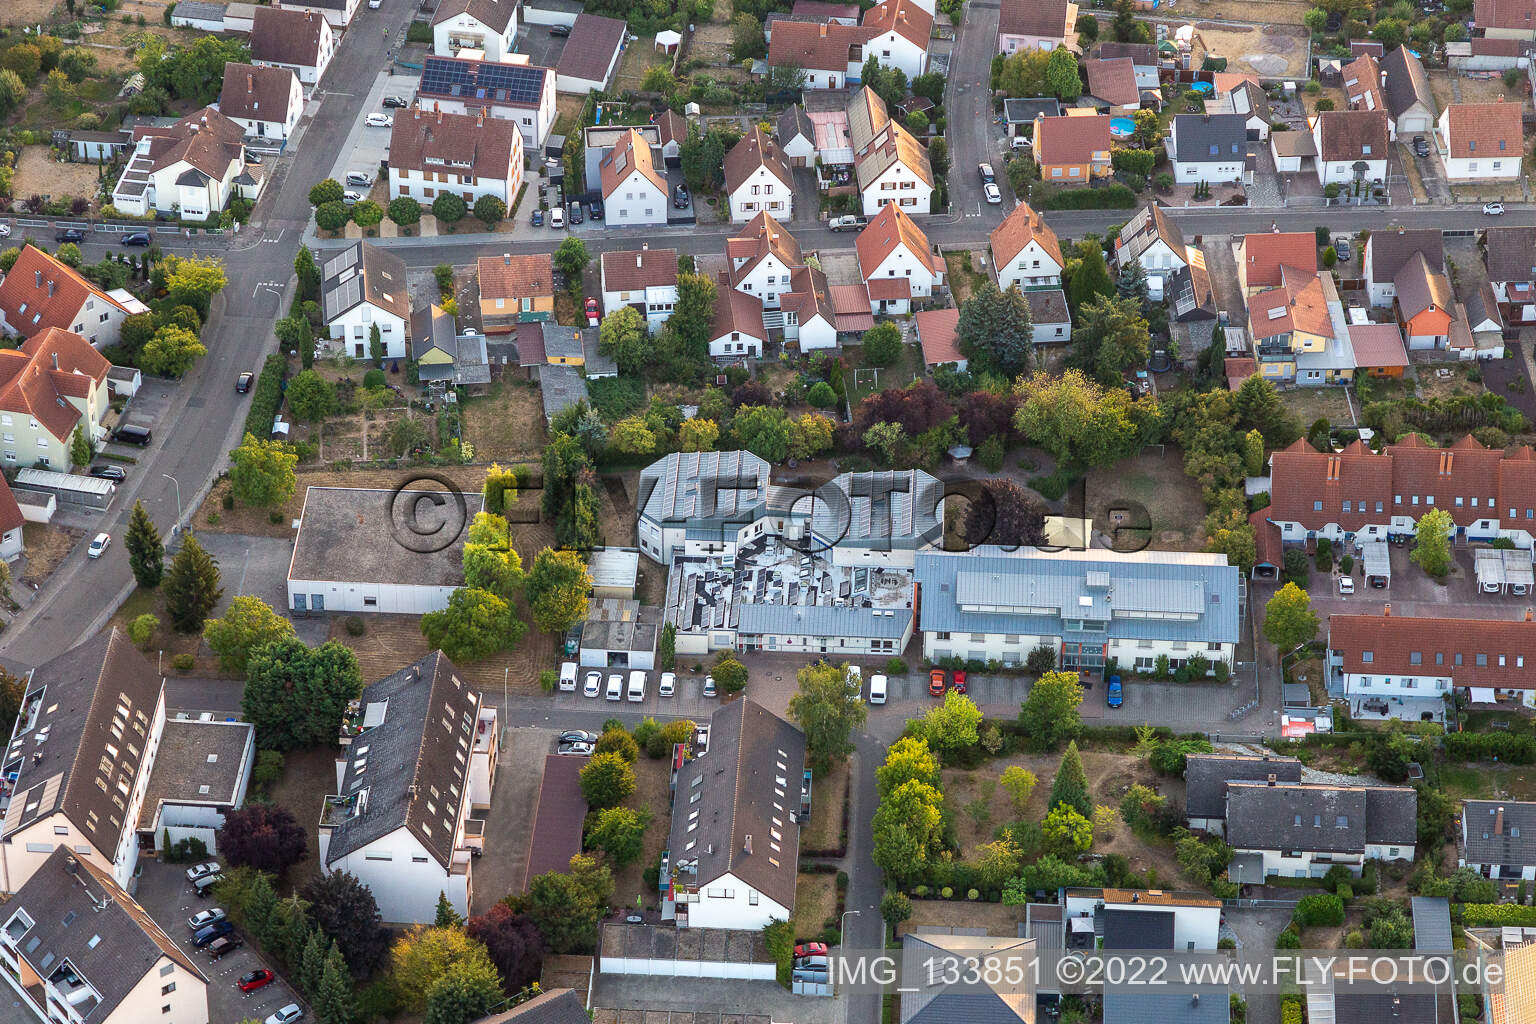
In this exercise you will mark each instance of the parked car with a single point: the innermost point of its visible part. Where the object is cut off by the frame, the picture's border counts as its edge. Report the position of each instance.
(138, 238)
(396, 101)
(668, 684)
(812, 963)
(595, 209)
(593, 684)
(849, 222)
(577, 749)
(636, 685)
(959, 684)
(987, 174)
(568, 676)
(578, 736)
(253, 158)
(1020, 142)
(218, 948)
(257, 979)
(1347, 585)
(992, 192)
(197, 871)
(114, 473)
(537, 218)
(208, 933)
(593, 317)
(559, 30)
(877, 684)
(351, 197)
(99, 545)
(130, 434)
(203, 918)
(69, 235)
(680, 197)
(936, 683)
(5, 231)
(557, 218)
(1420, 147)
(1341, 249)
(709, 686)
(287, 1015)
(810, 949)
(1493, 209)
(359, 179)
(574, 214)
(1114, 695)
(379, 121)
(615, 687)
(203, 887)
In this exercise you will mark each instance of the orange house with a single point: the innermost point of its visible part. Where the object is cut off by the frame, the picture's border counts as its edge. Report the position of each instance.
(1424, 304)
(1072, 148)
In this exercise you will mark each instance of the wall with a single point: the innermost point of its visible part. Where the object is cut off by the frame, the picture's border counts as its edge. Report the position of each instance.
(903, 263)
(772, 195)
(736, 912)
(533, 122)
(405, 887)
(417, 183)
(994, 647)
(914, 200)
(188, 1003)
(1276, 863)
(688, 968)
(388, 598)
(471, 34)
(636, 200)
(336, 19)
(1187, 172)
(353, 326)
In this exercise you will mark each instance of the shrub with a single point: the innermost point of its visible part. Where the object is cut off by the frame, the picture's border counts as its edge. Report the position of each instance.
(947, 892)
(373, 379)
(1497, 915)
(895, 667)
(183, 662)
(1319, 908)
(355, 626)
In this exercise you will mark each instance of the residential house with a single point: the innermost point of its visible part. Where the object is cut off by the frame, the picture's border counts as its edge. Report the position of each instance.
(831, 55)
(1424, 303)
(41, 293)
(198, 14)
(1505, 19)
(757, 180)
(1410, 100)
(990, 604)
(897, 33)
(1036, 25)
(645, 278)
(338, 13)
(737, 332)
(992, 1000)
(1498, 839)
(890, 165)
(937, 334)
(418, 762)
(1378, 349)
(809, 317)
(1112, 86)
(1303, 830)
(1127, 919)
(12, 522)
(576, 347)
(1072, 148)
(515, 289)
(762, 259)
(266, 101)
(1152, 239)
(1363, 80)
(796, 136)
(192, 167)
(519, 92)
(1025, 251)
(444, 356)
(1387, 251)
(1190, 291)
(733, 851)
(897, 263)
(301, 41)
(1049, 316)
(77, 947)
(1399, 658)
(1481, 141)
(1208, 147)
(54, 384)
(634, 191)
(1248, 99)
(591, 54)
(1299, 331)
(1206, 777)
(1510, 257)
(486, 27)
(362, 287)
(435, 153)
(672, 130)
(1260, 258)
(1351, 146)
(1019, 113)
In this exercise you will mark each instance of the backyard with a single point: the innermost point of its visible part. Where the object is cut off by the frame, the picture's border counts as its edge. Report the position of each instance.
(507, 423)
(864, 380)
(1155, 479)
(635, 885)
(829, 794)
(815, 904)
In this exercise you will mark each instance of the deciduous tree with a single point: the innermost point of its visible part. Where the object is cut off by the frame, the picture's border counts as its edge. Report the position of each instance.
(567, 906)
(882, 344)
(266, 837)
(513, 943)
(490, 561)
(698, 435)
(954, 725)
(1076, 420)
(622, 336)
(1432, 542)
(1019, 782)
(619, 832)
(405, 211)
(248, 624)
(171, 352)
(908, 829)
(1066, 831)
(343, 908)
(827, 707)
(558, 586)
(810, 434)
(763, 430)
(607, 780)
(571, 258)
(422, 956)
(466, 992)
(262, 472)
(295, 695)
(909, 759)
(475, 625)
(730, 674)
(1004, 514)
(1049, 713)
(1289, 620)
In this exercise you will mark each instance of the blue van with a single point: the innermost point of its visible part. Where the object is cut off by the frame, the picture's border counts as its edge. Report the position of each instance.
(1115, 695)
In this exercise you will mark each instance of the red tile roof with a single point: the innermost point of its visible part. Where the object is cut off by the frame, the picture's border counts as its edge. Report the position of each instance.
(1362, 84)
(762, 236)
(889, 230)
(1299, 304)
(737, 311)
(936, 329)
(1238, 369)
(1071, 140)
(814, 47)
(205, 139)
(1022, 226)
(904, 17)
(1046, 18)
(756, 149)
(48, 368)
(281, 36)
(516, 276)
(40, 292)
(1484, 130)
(258, 93)
(432, 141)
(631, 153)
(1506, 646)
(1262, 255)
(1505, 14)
(1268, 548)
(639, 268)
(10, 512)
(1377, 345)
(1352, 135)
(1114, 81)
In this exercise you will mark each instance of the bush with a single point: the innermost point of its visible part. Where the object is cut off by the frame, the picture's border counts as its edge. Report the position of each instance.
(1112, 197)
(183, 662)
(1497, 915)
(373, 379)
(1320, 908)
(266, 396)
(142, 630)
(895, 667)
(355, 626)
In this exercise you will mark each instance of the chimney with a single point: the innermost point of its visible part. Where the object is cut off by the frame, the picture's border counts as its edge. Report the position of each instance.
(1527, 615)
(1274, 227)
(823, 31)
(50, 289)
(1498, 822)
(1272, 779)
(55, 360)
(37, 278)
(1195, 999)
(506, 259)
(1387, 611)
(1135, 897)
(250, 83)
(1383, 79)
(746, 845)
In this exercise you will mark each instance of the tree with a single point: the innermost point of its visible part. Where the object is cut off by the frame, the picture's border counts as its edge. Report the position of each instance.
(261, 472)
(423, 956)
(1259, 408)
(747, 39)
(895, 907)
(1075, 419)
(1062, 76)
(1091, 278)
(171, 352)
(810, 434)
(192, 586)
(367, 214)
(887, 438)
(327, 191)
(607, 780)
(249, 624)
(633, 436)
(763, 430)
(1067, 831)
(1390, 32)
(1111, 337)
(954, 725)
(619, 832)
(146, 552)
(622, 336)
(1316, 19)
(572, 257)
(193, 281)
(287, 931)
(405, 211)
(1229, 532)
(375, 348)
(1024, 73)
(296, 695)
(827, 707)
(730, 674)
(1132, 282)
(1019, 782)
(332, 216)
(312, 963)
(882, 344)
(24, 59)
(466, 992)
(567, 906)
(1432, 542)
(142, 630)
(447, 916)
(908, 760)
(12, 691)
(513, 944)
(558, 586)
(490, 561)
(307, 270)
(1049, 713)
(1004, 514)
(908, 829)
(1253, 453)
(266, 837)
(333, 1003)
(1289, 620)
(449, 207)
(686, 337)
(617, 740)
(344, 909)
(1070, 786)
(475, 625)
(490, 210)
(994, 330)
(698, 435)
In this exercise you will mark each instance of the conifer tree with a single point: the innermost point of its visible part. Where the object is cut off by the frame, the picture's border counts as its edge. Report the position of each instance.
(192, 586)
(146, 552)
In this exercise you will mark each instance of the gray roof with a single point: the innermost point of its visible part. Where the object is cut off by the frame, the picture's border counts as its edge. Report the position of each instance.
(1406, 82)
(1031, 591)
(689, 945)
(1517, 843)
(1511, 253)
(562, 386)
(1025, 110)
(1297, 694)
(1047, 306)
(1396, 1007)
(1320, 818)
(557, 1006)
(561, 342)
(100, 695)
(1148, 1005)
(364, 272)
(976, 1003)
(198, 763)
(79, 915)
(433, 328)
(670, 490)
(1138, 929)
(1147, 226)
(408, 770)
(824, 620)
(749, 787)
(794, 123)
(346, 536)
(1042, 922)
(198, 10)
(1389, 250)
(1209, 138)
(1431, 924)
(613, 624)
(893, 508)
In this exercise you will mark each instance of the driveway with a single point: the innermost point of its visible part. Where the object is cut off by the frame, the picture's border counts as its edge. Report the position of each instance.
(1255, 931)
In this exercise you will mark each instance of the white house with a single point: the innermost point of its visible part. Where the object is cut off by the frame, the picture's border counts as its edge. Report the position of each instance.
(1481, 141)
(266, 101)
(1192, 920)
(893, 168)
(417, 762)
(1025, 251)
(898, 33)
(809, 317)
(761, 259)
(645, 278)
(1410, 100)
(831, 55)
(1351, 145)
(1510, 255)
(433, 153)
(634, 191)
(486, 26)
(757, 180)
(192, 167)
(338, 13)
(735, 834)
(339, 564)
(1498, 839)
(896, 261)
(796, 135)
(205, 17)
(361, 287)
(512, 90)
(1208, 147)
(1049, 318)
(1206, 777)
(737, 332)
(40, 292)
(1152, 239)
(301, 41)
(1401, 657)
(1303, 830)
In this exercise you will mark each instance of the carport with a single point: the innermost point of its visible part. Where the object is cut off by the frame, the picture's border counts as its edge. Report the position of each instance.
(1503, 570)
(1377, 561)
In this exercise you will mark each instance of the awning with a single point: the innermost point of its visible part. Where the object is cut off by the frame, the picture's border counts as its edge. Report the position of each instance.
(1482, 695)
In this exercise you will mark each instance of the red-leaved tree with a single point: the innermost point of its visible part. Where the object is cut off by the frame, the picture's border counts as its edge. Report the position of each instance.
(264, 836)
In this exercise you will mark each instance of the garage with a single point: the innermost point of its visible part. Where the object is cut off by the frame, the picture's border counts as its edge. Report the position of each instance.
(1376, 560)
(1503, 571)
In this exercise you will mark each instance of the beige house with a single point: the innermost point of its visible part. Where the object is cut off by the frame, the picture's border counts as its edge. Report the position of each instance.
(54, 383)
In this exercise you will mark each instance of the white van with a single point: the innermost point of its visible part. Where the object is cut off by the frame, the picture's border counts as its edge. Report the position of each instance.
(637, 686)
(615, 687)
(568, 676)
(877, 689)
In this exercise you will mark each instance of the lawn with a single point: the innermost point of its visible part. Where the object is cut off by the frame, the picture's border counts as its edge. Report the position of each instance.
(507, 424)
(166, 641)
(652, 796)
(308, 776)
(1174, 507)
(1312, 404)
(963, 275)
(863, 379)
(996, 918)
(829, 793)
(1485, 782)
(815, 905)
(639, 57)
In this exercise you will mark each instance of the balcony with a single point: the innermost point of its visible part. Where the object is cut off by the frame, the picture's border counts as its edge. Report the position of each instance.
(339, 809)
(485, 731)
(473, 839)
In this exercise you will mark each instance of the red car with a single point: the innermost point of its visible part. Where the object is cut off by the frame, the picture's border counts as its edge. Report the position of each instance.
(591, 312)
(255, 980)
(936, 683)
(811, 949)
(959, 683)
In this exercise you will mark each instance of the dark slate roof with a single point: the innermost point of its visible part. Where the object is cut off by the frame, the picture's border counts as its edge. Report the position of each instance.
(1431, 924)
(412, 760)
(1405, 82)
(1308, 817)
(1197, 133)
(794, 122)
(1511, 253)
(557, 817)
(977, 1003)
(1517, 843)
(1391, 249)
(1206, 777)
(1398, 1008)
(755, 760)
(1391, 815)
(1024, 110)
(557, 1006)
(100, 694)
(1138, 929)
(1147, 1005)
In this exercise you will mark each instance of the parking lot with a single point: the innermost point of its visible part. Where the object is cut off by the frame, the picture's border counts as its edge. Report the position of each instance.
(1412, 592)
(365, 148)
(164, 892)
(146, 409)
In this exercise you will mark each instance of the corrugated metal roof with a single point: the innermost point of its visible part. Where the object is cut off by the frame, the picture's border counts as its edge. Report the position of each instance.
(670, 488)
(824, 620)
(1431, 924)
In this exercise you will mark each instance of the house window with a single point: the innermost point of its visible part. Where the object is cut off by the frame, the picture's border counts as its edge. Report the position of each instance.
(1367, 656)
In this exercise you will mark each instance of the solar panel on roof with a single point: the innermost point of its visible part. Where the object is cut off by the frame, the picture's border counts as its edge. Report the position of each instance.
(483, 80)
(342, 261)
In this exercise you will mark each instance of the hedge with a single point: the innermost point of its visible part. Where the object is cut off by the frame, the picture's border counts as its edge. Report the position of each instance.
(1111, 197)
(1290, 1012)
(267, 396)
(1511, 748)
(1497, 915)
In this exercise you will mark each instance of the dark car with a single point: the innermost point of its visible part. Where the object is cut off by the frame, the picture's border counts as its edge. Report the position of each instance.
(243, 382)
(396, 101)
(1114, 696)
(130, 434)
(680, 198)
(221, 946)
(537, 220)
(138, 238)
(69, 235)
(575, 215)
(116, 473)
(1420, 147)
(256, 979)
(1341, 249)
(217, 930)
(595, 209)
(559, 30)
(253, 158)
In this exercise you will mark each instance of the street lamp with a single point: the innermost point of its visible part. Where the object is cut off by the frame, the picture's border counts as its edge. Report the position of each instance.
(178, 498)
(842, 927)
